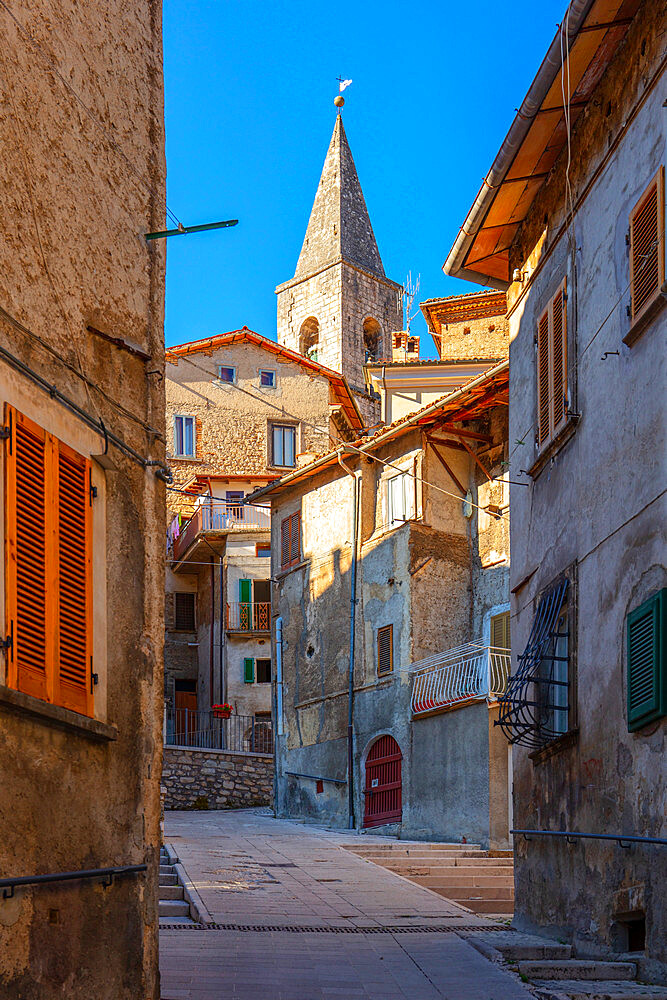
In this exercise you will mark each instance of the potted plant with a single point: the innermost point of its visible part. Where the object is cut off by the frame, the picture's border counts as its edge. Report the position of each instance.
(222, 711)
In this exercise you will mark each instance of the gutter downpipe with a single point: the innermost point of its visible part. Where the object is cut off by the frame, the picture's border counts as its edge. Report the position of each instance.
(353, 605)
(546, 74)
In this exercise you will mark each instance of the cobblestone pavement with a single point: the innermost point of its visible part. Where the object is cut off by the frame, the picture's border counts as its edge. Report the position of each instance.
(308, 920)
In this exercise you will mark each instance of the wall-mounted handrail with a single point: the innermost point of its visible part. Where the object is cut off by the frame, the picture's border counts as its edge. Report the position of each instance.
(316, 777)
(9, 884)
(572, 837)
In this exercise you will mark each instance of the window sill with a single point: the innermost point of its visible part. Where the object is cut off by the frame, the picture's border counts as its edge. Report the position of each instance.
(563, 436)
(552, 749)
(650, 312)
(63, 718)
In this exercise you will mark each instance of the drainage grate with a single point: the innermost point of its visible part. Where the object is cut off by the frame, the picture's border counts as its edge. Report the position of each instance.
(277, 864)
(263, 928)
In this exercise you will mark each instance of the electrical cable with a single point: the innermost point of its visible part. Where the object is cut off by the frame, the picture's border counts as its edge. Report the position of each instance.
(54, 68)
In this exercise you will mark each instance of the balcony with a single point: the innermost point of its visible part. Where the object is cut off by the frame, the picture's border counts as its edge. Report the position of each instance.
(472, 672)
(184, 727)
(219, 518)
(255, 617)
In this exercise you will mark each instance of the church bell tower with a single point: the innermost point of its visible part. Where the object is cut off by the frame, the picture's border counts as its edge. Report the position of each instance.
(340, 308)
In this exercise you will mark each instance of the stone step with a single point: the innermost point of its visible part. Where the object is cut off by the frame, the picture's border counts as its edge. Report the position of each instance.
(168, 880)
(410, 848)
(461, 893)
(484, 880)
(516, 947)
(171, 892)
(173, 908)
(579, 969)
(501, 864)
(166, 869)
(495, 906)
(573, 989)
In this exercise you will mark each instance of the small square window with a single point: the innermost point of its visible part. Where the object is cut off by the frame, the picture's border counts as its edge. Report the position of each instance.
(283, 445)
(184, 612)
(226, 374)
(263, 668)
(267, 378)
(263, 550)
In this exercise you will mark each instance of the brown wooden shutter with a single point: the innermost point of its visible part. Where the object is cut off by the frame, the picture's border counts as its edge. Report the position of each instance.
(184, 612)
(73, 682)
(647, 246)
(385, 650)
(27, 554)
(500, 630)
(295, 537)
(284, 541)
(559, 358)
(543, 378)
(198, 442)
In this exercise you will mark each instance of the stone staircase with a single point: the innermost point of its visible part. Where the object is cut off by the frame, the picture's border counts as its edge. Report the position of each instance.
(173, 907)
(481, 880)
(554, 975)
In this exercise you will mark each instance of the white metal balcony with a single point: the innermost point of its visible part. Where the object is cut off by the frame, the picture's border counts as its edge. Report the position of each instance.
(471, 672)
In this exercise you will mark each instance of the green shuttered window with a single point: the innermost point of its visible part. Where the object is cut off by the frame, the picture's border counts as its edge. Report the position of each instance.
(647, 668)
(249, 670)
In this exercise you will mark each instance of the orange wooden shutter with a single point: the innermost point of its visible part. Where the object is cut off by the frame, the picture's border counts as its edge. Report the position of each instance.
(73, 682)
(647, 246)
(27, 554)
(385, 663)
(284, 541)
(559, 357)
(543, 378)
(295, 537)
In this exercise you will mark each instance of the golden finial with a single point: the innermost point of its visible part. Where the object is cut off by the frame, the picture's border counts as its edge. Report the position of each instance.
(339, 100)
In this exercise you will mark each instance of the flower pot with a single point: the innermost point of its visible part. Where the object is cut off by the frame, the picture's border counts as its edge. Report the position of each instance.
(222, 713)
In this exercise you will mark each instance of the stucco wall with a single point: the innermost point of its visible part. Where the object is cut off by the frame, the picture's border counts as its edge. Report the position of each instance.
(596, 504)
(216, 779)
(73, 255)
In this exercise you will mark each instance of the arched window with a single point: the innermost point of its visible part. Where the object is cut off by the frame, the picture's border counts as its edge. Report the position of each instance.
(372, 337)
(309, 338)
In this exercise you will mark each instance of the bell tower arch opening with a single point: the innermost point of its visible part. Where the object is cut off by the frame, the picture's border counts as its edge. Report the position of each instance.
(309, 338)
(372, 339)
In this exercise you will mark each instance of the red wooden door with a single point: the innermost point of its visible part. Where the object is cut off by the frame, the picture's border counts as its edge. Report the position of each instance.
(383, 783)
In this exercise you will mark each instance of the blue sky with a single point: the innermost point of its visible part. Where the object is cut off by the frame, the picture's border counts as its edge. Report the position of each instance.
(249, 113)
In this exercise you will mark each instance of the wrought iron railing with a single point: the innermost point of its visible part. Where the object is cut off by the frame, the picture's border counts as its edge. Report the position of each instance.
(469, 672)
(254, 617)
(221, 516)
(187, 727)
(108, 874)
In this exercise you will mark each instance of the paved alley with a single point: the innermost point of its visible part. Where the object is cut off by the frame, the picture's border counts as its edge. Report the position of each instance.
(293, 915)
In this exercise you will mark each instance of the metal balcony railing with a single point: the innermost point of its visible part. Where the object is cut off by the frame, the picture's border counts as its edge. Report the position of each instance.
(221, 516)
(254, 617)
(469, 672)
(187, 727)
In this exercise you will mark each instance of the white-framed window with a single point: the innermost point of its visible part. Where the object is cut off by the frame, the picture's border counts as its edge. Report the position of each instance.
(184, 436)
(283, 445)
(267, 378)
(400, 498)
(227, 374)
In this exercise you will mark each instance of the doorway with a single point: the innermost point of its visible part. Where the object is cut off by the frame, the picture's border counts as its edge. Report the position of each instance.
(383, 791)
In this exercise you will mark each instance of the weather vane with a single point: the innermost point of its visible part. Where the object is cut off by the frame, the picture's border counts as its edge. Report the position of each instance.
(339, 100)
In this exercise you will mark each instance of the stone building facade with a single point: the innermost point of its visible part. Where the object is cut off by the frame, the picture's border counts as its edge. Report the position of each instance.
(241, 410)
(340, 307)
(587, 318)
(391, 524)
(470, 326)
(82, 460)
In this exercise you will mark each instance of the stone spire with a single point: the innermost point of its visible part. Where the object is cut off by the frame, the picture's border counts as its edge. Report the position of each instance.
(339, 227)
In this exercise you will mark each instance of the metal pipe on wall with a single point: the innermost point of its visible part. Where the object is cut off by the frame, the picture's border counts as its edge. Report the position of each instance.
(353, 606)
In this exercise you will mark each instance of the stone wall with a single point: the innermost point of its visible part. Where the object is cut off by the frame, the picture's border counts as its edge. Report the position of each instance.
(216, 779)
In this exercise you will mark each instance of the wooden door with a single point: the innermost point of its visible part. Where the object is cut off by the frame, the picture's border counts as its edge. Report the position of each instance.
(383, 789)
(185, 713)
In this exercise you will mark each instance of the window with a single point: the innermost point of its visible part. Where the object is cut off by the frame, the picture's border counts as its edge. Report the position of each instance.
(184, 612)
(290, 540)
(647, 662)
(184, 436)
(552, 401)
(49, 567)
(385, 663)
(283, 445)
(500, 630)
(267, 378)
(234, 504)
(263, 550)
(647, 248)
(248, 670)
(309, 337)
(226, 374)
(372, 338)
(263, 671)
(400, 499)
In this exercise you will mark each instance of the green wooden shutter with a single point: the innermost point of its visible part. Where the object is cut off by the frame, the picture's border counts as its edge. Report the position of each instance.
(249, 670)
(647, 671)
(244, 591)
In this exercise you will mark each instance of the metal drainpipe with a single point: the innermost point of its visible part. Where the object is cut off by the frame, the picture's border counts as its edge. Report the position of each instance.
(210, 659)
(223, 672)
(350, 693)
